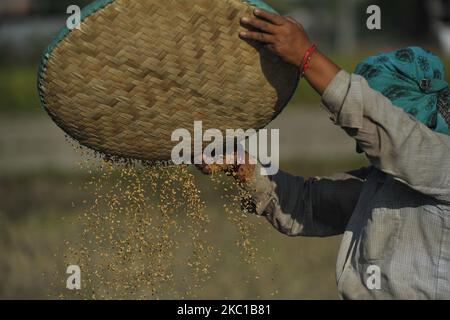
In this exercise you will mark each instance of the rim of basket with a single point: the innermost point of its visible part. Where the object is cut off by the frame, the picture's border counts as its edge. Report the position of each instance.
(87, 11)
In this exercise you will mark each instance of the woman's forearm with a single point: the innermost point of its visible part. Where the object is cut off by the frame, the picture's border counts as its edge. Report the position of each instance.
(321, 72)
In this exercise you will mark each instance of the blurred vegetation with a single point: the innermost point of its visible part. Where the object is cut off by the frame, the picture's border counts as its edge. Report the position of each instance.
(18, 89)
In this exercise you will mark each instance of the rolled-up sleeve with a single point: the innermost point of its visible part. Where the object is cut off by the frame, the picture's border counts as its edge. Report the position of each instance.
(394, 141)
(297, 206)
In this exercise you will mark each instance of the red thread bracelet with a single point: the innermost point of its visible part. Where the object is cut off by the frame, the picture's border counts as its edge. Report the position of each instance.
(307, 59)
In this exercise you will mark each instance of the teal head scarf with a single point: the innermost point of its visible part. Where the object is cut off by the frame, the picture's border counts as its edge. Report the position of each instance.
(414, 80)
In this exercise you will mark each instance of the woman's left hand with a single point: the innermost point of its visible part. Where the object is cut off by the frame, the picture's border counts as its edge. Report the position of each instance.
(283, 36)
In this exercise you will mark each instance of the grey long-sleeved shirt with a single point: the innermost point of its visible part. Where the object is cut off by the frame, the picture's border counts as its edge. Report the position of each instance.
(395, 215)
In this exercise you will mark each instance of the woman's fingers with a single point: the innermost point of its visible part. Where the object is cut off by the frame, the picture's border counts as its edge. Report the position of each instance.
(258, 36)
(266, 22)
(259, 24)
(272, 17)
(243, 172)
(210, 167)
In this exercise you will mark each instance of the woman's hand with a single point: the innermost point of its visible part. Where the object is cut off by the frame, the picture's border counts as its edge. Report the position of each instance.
(286, 38)
(283, 36)
(242, 172)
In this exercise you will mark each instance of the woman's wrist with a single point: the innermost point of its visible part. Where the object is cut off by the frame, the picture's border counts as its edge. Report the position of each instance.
(306, 61)
(321, 72)
(302, 49)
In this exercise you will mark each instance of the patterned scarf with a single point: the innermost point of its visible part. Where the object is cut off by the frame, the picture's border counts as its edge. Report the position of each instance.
(414, 80)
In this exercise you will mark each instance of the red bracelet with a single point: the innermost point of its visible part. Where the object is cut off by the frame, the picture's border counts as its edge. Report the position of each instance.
(307, 59)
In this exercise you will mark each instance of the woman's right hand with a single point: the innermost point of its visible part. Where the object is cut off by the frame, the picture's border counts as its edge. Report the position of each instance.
(287, 38)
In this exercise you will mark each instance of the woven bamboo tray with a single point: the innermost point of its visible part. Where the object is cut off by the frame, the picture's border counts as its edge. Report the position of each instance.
(138, 70)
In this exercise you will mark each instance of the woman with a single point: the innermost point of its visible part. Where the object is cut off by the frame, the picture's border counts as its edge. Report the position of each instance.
(395, 215)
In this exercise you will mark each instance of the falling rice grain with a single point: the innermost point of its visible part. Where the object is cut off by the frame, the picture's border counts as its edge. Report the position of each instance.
(140, 218)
